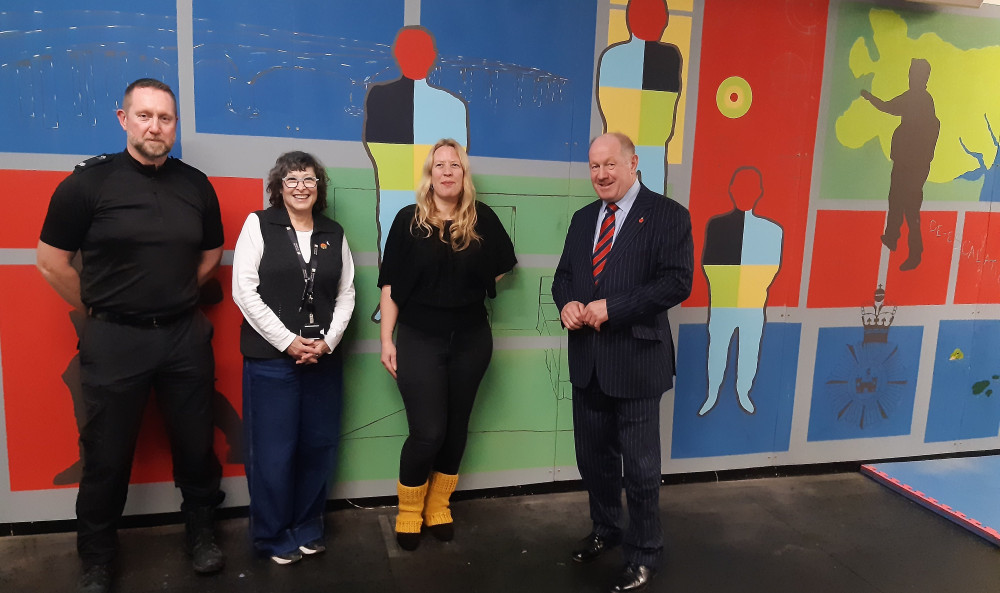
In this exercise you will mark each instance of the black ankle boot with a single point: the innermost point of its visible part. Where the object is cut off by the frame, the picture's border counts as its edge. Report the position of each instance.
(206, 557)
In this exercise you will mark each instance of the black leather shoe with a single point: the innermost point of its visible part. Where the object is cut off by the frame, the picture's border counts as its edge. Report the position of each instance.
(408, 541)
(444, 532)
(634, 578)
(591, 547)
(96, 578)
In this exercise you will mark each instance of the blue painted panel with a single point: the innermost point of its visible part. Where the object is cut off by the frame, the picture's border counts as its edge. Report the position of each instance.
(621, 66)
(651, 164)
(965, 489)
(727, 429)
(64, 68)
(437, 114)
(295, 69)
(390, 202)
(761, 241)
(863, 390)
(965, 394)
(524, 68)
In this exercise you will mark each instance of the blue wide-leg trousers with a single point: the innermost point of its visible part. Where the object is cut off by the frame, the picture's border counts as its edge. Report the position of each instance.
(291, 421)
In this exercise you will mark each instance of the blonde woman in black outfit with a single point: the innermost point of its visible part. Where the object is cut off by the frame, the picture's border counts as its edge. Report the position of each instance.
(442, 258)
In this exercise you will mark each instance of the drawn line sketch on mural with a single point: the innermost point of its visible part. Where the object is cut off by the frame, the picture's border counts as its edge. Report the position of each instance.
(403, 120)
(638, 88)
(741, 258)
(912, 151)
(869, 382)
(550, 325)
(56, 99)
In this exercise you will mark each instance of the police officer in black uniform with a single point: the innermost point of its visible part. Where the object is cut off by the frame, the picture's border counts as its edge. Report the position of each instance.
(149, 231)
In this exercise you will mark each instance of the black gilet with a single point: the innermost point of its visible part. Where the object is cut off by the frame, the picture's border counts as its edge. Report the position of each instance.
(281, 282)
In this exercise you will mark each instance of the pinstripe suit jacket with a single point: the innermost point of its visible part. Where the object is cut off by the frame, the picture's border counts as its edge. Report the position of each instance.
(649, 270)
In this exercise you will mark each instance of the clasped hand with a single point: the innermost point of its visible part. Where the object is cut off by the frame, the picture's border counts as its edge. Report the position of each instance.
(576, 315)
(307, 351)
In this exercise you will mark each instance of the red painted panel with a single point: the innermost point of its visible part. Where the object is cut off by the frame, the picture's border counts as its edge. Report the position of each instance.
(846, 250)
(238, 197)
(928, 283)
(27, 194)
(41, 426)
(782, 61)
(978, 270)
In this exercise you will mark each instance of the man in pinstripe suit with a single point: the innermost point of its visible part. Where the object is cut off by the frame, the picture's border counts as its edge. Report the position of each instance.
(628, 258)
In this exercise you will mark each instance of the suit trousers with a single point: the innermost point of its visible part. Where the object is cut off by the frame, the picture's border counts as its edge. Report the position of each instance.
(291, 423)
(119, 366)
(618, 445)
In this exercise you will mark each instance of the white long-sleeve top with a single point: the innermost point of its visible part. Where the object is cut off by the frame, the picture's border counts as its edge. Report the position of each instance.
(246, 261)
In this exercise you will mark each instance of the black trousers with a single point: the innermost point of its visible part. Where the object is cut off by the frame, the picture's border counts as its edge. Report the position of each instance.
(119, 366)
(618, 445)
(438, 376)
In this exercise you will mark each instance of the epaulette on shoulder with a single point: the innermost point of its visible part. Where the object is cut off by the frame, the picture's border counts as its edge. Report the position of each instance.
(93, 162)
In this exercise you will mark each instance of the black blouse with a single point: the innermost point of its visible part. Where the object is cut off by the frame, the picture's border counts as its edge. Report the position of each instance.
(437, 289)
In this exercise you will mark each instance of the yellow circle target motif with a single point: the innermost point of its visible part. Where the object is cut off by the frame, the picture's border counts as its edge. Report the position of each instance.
(734, 97)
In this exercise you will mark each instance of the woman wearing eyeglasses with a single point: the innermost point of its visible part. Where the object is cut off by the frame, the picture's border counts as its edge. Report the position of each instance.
(442, 259)
(293, 279)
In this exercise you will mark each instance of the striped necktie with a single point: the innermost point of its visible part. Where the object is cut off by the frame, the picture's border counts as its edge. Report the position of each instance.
(604, 240)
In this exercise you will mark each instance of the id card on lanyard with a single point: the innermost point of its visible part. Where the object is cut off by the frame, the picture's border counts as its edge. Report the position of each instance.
(310, 330)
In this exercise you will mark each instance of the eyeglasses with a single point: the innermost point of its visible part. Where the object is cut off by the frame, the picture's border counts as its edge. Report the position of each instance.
(293, 182)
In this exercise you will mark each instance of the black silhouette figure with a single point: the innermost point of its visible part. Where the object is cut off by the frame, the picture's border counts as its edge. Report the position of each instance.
(911, 153)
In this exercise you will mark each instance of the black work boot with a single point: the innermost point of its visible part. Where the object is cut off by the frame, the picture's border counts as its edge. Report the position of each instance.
(206, 557)
(95, 578)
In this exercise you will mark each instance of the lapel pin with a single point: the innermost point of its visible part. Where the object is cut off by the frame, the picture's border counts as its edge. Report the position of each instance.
(322, 245)
(641, 220)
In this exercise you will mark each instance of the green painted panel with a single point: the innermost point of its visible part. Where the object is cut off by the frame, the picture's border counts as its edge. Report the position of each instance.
(498, 451)
(523, 415)
(365, 301)
(354, 209)
(369, 459)
(537, 223)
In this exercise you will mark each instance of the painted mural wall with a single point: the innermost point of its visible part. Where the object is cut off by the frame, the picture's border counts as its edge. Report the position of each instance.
(839, 159)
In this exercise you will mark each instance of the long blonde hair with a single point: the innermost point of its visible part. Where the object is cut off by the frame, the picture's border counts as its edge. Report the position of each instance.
(427, 218)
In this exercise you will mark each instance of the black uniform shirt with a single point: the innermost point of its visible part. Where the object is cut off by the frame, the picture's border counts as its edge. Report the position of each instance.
(141, 231)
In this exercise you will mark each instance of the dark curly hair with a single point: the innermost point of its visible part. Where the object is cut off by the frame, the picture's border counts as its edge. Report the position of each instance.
(297, 161)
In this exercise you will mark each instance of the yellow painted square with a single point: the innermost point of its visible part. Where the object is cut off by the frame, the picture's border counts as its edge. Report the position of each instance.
(394, 163)
(655, 118)
(419, 156)
(754, 281)
(617, 26)
(620, 108)
(680, 6)
(724, 284)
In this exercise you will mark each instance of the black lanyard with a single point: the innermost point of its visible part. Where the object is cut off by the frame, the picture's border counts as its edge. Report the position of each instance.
(308, 273)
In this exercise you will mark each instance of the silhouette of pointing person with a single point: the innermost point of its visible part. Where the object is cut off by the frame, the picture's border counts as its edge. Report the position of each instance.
(911, 152)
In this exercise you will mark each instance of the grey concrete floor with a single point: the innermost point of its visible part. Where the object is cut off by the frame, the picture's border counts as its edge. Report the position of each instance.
(839, 533)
